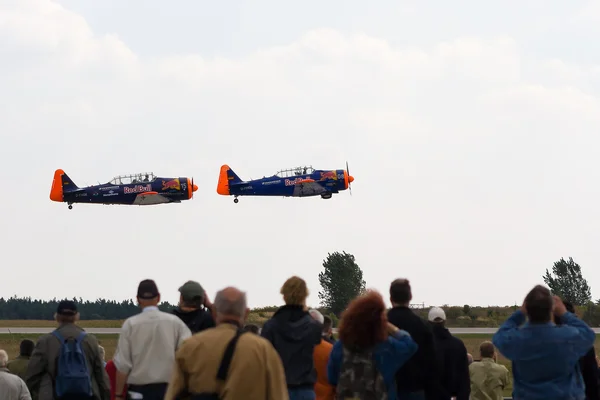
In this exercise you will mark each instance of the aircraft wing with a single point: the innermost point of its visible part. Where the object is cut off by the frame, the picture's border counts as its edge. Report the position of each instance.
(150, 198)
(309, 186)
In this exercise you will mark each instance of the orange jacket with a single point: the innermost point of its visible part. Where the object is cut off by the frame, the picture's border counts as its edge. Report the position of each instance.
(323, 389)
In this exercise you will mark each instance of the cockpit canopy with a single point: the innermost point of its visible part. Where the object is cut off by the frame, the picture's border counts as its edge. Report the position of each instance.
(287, 173)
(133, 178)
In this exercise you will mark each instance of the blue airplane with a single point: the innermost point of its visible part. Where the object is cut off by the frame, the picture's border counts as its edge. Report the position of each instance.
(136, 189)
(294, 182)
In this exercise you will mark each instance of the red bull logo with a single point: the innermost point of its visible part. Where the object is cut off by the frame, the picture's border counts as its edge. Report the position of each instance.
(328, 175)
(137, 189)
(172, 184)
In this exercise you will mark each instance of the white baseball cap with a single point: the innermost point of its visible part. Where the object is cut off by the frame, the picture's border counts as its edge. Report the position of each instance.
(436, 313)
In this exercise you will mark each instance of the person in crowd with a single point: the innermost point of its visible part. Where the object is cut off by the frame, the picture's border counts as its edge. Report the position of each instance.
(544, 356)
(102, 355)
(488, 379)
(252, 328)
(328, 329)
(294, 334)
(192, 299)
(111, 371)
(42, 370)
(365, 360)
(323, 389)
(418, 378)
(12, 387)
(254, 370)
(587, 363)
(453, 363)
(470, 358)
(146, 348)
(18, 366)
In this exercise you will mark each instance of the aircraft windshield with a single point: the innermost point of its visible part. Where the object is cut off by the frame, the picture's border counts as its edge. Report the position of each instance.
(286, 173)
(133, 178)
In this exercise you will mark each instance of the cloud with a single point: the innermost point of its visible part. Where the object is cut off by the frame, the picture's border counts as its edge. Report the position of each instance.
(461, 152)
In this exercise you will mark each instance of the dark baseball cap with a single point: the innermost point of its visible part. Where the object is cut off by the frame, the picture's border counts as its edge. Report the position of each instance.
(66, 307)
(191, 290)
(147, 289)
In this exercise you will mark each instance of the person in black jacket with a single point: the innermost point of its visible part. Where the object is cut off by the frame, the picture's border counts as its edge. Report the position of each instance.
(190, 310)
(417, 379)
(587, 364)
(453, 360)
(294, 334)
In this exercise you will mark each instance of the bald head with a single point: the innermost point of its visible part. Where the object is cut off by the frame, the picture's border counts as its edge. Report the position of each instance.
(230, 304)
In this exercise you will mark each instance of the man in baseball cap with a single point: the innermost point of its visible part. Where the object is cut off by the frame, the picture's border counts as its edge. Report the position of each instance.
(190, 310)
(455, 380)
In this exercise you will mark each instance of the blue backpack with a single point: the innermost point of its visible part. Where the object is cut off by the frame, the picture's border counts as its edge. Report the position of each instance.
(72, 374)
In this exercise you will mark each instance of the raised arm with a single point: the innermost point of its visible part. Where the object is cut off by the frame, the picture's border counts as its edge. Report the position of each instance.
(506, 339)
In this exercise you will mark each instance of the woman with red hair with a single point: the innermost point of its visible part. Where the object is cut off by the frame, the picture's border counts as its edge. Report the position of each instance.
(369, 352)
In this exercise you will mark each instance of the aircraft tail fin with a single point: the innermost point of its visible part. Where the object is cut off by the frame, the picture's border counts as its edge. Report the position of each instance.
(226, 177)
(61, 183)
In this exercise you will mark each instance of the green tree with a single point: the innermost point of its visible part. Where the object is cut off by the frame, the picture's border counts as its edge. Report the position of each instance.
(341, 281)
(568, 283)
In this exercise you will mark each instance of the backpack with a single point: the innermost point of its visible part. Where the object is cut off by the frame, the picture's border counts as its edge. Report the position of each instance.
(72, 374)
(221, 373)
(359, 378)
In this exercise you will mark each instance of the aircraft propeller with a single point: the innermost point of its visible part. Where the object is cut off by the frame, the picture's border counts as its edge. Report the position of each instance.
(349, 178)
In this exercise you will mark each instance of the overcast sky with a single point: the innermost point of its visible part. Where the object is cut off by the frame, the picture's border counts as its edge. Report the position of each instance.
(471, 128)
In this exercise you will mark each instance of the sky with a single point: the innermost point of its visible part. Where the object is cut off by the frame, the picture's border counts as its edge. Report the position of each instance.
(471, 130)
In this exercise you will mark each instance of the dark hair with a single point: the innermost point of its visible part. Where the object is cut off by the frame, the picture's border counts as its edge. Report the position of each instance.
(327, 323)
(196, 302)
(539, 304)
(26, 347)
(400, 292)
(486, 349)
(251, 328)
(363, 323)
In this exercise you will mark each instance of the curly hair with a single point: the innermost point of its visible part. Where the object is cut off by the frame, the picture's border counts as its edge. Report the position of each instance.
(294, 291)
(364, 323)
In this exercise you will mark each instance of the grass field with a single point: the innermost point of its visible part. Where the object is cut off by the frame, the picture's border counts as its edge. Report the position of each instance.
(34, 323)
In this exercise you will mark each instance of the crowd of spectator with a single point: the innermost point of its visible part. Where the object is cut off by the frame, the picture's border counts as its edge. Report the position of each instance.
(205, 350)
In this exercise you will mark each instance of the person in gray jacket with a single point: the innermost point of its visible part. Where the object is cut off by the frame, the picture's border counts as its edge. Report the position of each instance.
(12, 387)
(41, 371)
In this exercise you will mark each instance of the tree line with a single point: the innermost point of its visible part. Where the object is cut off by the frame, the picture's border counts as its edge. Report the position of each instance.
(341, 281)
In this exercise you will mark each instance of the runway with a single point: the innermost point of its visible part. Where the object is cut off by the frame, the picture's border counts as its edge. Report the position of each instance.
(116, 331)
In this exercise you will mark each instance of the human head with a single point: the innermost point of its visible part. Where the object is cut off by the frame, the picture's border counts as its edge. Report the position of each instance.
(251, 328)
(3, 359)
(230, 305)
(26, 348)
(539, 304)
(191, 295)
(400, 292)
(317, 316)
(294, 291)
(437, 315)
(364, 322)
(487, 350)
(327, 325)
(66, 312)
(148, 294)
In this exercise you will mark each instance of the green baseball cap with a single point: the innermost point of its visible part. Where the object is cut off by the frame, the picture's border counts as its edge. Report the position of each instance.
(190, 290)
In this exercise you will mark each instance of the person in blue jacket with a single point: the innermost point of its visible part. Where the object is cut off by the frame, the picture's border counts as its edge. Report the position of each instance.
(368, 346)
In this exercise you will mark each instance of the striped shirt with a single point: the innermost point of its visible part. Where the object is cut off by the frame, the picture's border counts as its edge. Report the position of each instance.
(147, 346)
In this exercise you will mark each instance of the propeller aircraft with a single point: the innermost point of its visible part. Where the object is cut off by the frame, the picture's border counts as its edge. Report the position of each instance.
(294, 182)
(136, 189)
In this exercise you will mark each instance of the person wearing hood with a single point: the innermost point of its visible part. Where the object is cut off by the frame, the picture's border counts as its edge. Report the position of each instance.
(294, 334)
(190, 310)
(452, 360)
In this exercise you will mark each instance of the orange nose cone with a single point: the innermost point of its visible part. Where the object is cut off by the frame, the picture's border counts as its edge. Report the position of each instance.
(350, 179)
(195, 188)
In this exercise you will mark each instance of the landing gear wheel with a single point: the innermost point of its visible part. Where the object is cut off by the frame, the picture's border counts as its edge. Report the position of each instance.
(235, 200)
(70, 207)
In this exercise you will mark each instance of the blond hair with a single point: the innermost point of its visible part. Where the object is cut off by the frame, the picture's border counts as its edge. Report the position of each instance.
(294, 291)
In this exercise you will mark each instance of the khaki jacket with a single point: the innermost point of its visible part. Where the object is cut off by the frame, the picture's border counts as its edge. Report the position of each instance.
(256, 371)
(41, 371)
(18, 366)
(488, 380)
